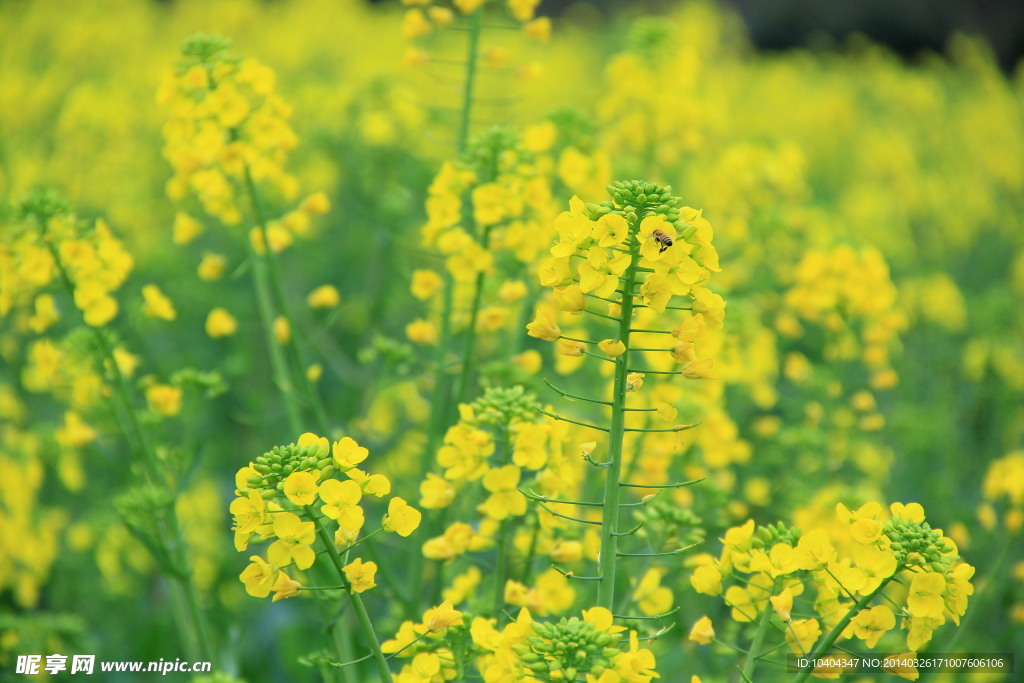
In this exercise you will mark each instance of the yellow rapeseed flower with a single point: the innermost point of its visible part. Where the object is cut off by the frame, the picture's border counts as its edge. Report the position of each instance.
(401, 517)
(301, 488)
(259, 577)
(220, 323)
(702, 632)
(157, 304)
(360, 575)
(324, 296)
(164, 399)
(212, 267)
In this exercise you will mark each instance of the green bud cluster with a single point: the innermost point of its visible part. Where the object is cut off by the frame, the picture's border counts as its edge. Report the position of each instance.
(211, 383)
(143, 509)
(767, 536)
(575, 128)
(277, 464)
(568, 649)
(916, 544)
(43, 204)
(637, 199)
(142, 501)
(387, 350)
(205, 47)
(80, 343)
(651, 38)
(663, 518)
(666, 510)
(503, 406)
(492, 152)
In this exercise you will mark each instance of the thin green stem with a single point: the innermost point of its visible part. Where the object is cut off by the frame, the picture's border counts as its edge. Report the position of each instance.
(501, 561)
(468, 352)
(982, 593)
(528, 563)
(364, 619)
(838, 629)
(472, 53)
(278, 364)
(438, 419)
(439, 394)
(175, 547)
(277, 291)
(575, 397)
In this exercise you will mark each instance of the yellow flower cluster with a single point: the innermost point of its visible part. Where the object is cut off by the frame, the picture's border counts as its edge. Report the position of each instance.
(483, 218)
(276, 497)
(571, 649)
(423, 17)
(225, 121)
(849, 293)
(587, 267)
(1004, 483)
(881, 573)
(31, 540)
(227, 132)
(61, 246)
(677, 265)
(529, 449)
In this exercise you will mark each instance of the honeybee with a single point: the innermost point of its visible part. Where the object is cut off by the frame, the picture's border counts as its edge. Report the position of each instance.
(662, 239)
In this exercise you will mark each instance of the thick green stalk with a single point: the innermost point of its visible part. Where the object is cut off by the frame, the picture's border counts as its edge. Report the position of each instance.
(276, 290)
(613, 473)
(834, 634)
(337, 629)
(755, 648)
(364, 622)
(364, 619)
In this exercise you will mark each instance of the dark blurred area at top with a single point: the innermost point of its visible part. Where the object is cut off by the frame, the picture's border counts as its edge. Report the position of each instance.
(908, 27)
